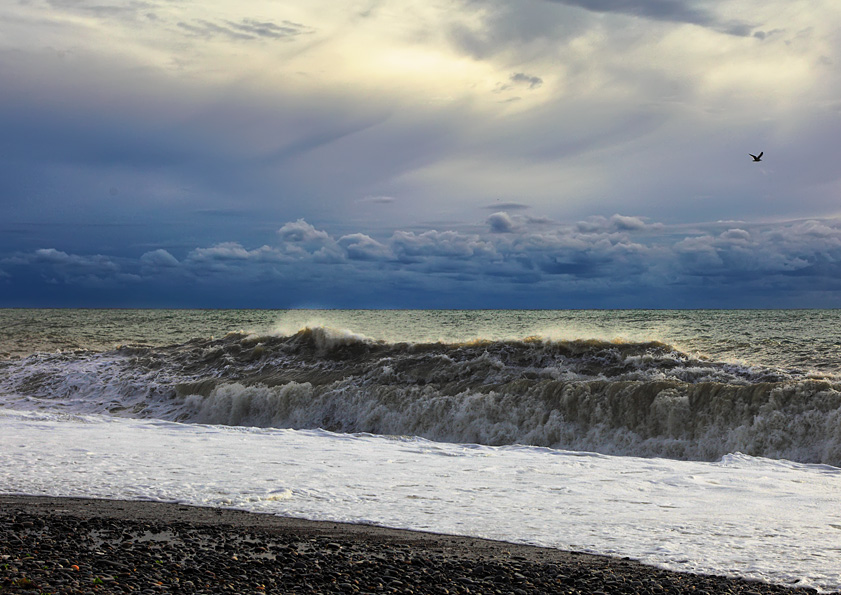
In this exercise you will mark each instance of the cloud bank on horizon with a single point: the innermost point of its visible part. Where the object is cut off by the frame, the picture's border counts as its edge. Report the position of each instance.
(615, 262)
(546, 153)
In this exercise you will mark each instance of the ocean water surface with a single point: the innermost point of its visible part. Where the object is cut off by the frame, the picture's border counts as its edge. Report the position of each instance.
(706, 441)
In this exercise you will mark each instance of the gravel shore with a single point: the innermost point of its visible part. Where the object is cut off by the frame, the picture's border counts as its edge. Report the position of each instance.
(68, 545)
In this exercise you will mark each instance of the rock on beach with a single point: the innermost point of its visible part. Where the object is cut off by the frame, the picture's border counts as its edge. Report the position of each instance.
(68, 545)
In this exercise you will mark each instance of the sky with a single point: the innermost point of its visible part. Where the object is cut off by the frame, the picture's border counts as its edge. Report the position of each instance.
(420, 154)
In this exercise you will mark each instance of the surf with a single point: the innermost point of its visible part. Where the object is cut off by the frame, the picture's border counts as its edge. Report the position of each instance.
(619, 397)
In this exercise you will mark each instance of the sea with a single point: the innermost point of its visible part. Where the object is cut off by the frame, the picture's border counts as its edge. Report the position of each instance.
(703, 441)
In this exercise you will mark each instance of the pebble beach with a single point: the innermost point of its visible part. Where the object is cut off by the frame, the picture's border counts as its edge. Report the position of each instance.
(67, 545)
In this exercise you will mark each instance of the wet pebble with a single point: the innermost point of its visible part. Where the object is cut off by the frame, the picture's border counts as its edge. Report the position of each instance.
(59, 553)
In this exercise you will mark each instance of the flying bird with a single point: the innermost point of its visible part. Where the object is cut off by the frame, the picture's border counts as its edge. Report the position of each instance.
(757, 157)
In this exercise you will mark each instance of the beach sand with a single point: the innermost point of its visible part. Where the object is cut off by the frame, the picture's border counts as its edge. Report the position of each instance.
(69, 545)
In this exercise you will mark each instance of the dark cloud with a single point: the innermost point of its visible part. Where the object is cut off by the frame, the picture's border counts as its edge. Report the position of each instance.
(518, 81)
(409, 246)
(170, 151)
(678, 11)
(505, 26)
(59, 267)
(619, 261)
(245, 29)
(131, 9)
(377, 200)
(585, 268)
(532, 82)
(507, 206)
(501, 223)
(540, 221)
(75, 132)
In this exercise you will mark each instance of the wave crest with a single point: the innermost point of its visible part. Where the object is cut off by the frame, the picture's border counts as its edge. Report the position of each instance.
(627, 398)
(705, 421)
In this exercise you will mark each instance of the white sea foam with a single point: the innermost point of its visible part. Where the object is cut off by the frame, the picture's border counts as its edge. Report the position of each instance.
(765, 519)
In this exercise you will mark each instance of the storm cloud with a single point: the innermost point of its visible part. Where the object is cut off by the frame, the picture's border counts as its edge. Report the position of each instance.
(679, 11)
(478, 154)
(621, 259)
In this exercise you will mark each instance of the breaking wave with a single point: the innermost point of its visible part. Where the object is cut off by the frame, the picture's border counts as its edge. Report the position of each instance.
(639, 399)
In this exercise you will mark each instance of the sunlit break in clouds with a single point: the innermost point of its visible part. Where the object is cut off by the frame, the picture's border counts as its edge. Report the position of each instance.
(538, 154)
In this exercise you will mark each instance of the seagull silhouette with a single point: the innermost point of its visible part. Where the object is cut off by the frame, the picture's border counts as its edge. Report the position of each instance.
(757, 157)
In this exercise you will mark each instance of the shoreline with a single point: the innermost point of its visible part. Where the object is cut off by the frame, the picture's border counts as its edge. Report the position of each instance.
(77, 545)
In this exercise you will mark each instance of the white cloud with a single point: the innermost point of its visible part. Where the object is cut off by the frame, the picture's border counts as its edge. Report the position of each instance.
(622, 223)
(225, 251)
(58, 257)
(598, 224)
(359, 246)
(302, 233)
(159, 259)
(736, 235)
